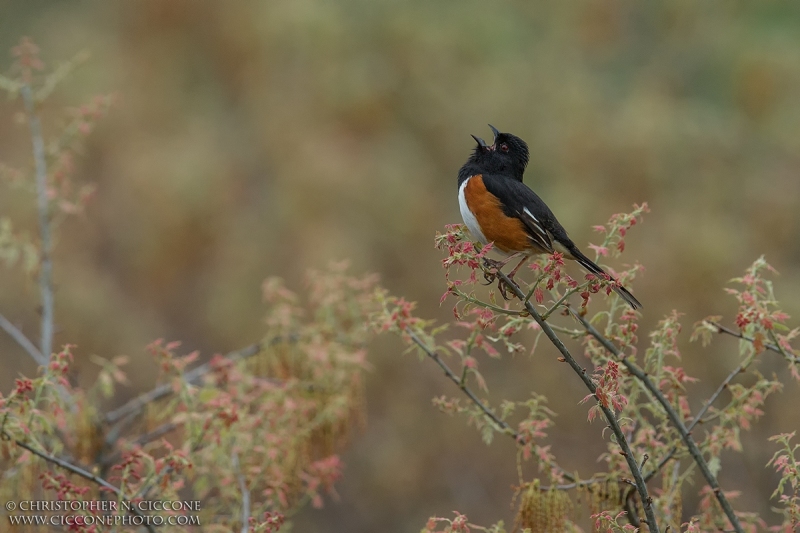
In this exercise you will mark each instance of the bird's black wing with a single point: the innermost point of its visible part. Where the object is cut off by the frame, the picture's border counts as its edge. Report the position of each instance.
(520, 201)
(543, 228)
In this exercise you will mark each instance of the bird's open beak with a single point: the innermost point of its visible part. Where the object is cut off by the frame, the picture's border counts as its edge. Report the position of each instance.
(480, 142)
(496, 133)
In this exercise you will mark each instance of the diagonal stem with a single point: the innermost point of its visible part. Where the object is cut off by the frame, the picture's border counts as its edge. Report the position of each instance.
(22, 340)
(499, 422)
(641, 486)
(455, 378)
(701, 413)
(135, 405)
(82, 473)
(245, 493)
(769, 346)
(43, 207)
(674, 418)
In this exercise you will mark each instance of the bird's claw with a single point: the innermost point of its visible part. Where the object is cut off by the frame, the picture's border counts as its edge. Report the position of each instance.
(490, 270)
(503, 287)
(490, 274)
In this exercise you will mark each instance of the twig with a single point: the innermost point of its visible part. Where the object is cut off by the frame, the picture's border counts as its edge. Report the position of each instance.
(455, 378)
(43, 205)
(701, 413)
(499, 422)
(573, 485)
(143, 439)
(722, 386)
(641, 487)
(245, 494)
(22, 340)
(34, 352)
(481, 303)
(630, 508)
(84, 474)
(561, 300)
(135, 405)
(686, 436)
(150, 483)
(769, 346)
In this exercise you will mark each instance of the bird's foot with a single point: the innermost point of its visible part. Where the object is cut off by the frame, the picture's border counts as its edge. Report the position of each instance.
(490, 274)
(503, 287)
(491, 268)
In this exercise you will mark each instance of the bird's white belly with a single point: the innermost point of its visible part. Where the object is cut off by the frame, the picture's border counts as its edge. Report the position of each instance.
(466, 214)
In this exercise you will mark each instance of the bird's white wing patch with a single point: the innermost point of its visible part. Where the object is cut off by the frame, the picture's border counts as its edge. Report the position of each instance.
(539, 236)
(466, 214)
(534, 221)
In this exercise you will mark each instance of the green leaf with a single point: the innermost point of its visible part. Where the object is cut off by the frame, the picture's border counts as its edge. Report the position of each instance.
(487, 433)
(714, 465)
(12, 87)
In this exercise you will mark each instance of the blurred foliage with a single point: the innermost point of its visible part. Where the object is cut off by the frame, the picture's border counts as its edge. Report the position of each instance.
(260, 138)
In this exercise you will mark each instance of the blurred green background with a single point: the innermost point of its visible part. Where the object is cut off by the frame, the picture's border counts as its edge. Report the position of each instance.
(264, 138)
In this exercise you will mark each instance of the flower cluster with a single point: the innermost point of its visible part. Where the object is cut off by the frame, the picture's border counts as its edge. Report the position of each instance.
(459, 524)
(609, 522)
(616, 229)
(302, 391)
(271, 523)
(607, 382)
(461, 251)
(610, 338)
(787, 465)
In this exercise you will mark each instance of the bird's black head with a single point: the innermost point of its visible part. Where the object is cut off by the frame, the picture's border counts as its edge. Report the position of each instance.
(507, 155)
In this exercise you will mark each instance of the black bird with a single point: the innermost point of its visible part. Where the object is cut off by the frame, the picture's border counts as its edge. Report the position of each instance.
(498, 207)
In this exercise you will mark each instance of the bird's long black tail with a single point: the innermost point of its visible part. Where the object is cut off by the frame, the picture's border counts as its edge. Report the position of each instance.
(592, 267)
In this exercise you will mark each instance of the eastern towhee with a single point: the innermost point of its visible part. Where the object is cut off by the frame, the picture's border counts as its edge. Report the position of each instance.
(498, 207)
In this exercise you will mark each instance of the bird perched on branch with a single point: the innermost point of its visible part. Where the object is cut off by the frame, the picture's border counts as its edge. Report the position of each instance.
(498, 207)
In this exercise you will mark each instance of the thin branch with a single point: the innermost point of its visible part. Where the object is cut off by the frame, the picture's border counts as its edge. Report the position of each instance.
(481, 303)
(641, 486)
(34, 352)
(22, 340)
(686, 436)
(43, 205)
(143, 439)
(697, 418)
(84, 474)
(135, 405)
(573, 485)
(769, 346)
(455, 378)
(561, 300)
(117, 429)
(701, 413)
(150, 483)
(630, 508)
(499, 422)
(245, 494)
(722, 386)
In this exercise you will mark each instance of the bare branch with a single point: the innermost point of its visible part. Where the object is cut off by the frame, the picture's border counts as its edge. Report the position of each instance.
(151, 483)
(697, 418)
(701, 413)
(673, 416)
(143, 439)
(43, 205)
(245, 494)
(22, 340)
(496, 420)
(641, 486)
(135, 405)
(455, 378)
(769, 346)
(82, 473)
(34, 352)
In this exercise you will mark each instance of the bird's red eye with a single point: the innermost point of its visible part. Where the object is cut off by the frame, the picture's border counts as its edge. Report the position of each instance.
(504, 147)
